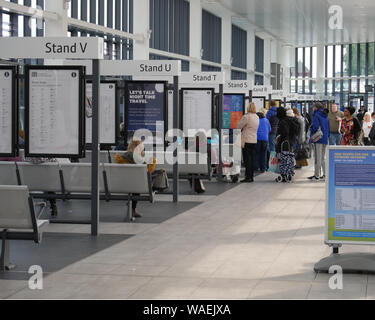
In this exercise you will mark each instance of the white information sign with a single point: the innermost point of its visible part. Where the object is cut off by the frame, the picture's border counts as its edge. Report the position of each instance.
(52, 48)
(238, 85)
(107, 113)
(53, 110)
(197, 109)
(262, 91)
(204, 78)
(6, 105)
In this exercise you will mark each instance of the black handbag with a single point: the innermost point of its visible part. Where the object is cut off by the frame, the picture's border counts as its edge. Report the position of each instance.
(302, 153)
(199, 186)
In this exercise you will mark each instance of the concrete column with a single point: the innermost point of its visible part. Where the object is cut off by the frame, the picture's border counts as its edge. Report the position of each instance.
(142, 26)
(320, 72)
(267, 61)
(195, 34)
(250, 53)
(59, 27)
(226, 44)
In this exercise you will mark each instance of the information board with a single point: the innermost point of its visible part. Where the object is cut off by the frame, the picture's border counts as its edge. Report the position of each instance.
(233, 110)
(54, 104)
(260, 102)
(350, 195)
(145, 104)
(109, 113)
(197, 109)
(8, 111)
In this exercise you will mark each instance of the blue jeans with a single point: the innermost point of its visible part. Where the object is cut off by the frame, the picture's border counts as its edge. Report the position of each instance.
(272, 142)
(335, 139)
(261, 156)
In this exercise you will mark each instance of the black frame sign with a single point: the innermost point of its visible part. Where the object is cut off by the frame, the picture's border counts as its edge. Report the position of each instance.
(144, 101)
(258, 98)
(194, 123)
(109, 113)
(55, 111)
(234, 109)
(8, 111)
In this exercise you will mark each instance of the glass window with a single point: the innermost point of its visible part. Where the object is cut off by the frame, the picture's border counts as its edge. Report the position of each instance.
(354, 60)
(300, 85)
(313, 82)
(354, 87)
(330, 61)
(292, 72)
(338, 62)
(314, 60)
(292, 86)
(362, 84)
(300, 61)
(346, 60)
(307, 62)
(362, 52)
(329, 87)
(371, 59)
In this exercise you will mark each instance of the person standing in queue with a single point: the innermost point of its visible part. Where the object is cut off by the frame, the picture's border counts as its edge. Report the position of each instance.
(350, 128)
(320, 125)
(366, 127)
(274, 122)
(249, 126)
(335, 118)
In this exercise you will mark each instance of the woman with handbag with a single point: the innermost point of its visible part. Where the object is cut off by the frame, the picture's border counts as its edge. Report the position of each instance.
(319, 135)
(350, 128)
(249, 125)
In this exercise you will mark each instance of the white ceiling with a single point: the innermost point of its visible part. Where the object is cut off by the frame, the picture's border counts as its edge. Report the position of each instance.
(305, 22)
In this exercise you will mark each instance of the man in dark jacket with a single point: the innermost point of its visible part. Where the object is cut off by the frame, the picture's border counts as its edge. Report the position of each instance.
(274, 122)
(320, 121)
(287, 131)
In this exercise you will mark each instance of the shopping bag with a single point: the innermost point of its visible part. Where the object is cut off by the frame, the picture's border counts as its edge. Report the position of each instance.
(160, 181)
(274, 164)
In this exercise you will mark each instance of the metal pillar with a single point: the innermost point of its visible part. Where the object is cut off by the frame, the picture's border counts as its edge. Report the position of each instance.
(95, 148)
(220, 125)
(176, 125)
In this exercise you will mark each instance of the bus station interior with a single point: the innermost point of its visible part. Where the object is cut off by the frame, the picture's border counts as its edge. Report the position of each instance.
(233, 241)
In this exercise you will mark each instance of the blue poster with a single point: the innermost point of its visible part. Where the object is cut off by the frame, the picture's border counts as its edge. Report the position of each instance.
(145, 105)
(351, 194)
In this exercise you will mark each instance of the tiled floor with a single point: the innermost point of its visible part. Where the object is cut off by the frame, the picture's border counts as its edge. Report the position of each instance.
(255, 241)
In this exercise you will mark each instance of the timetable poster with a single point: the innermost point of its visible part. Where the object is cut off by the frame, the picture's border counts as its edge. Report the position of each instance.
(259, 103)
(6, 112)
(145, 104)
(108, 113)
(197, 109)
(233, 109)
(54, 111)
(351, 195)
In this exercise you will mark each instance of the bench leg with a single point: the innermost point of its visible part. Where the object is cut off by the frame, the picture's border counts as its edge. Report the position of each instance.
(5, 265)
(130, 217)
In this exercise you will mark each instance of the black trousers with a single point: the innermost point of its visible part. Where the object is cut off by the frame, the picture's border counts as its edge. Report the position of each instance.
(248, 158)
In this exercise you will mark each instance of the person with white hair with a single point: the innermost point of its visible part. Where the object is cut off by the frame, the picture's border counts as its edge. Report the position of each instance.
(366, 127)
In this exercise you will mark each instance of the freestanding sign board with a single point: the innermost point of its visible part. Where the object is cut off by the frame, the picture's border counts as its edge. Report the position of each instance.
(8, 111)
(350, 195)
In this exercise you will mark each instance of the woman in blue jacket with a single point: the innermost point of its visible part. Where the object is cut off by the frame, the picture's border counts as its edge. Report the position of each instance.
(320, 120)
(264, 130)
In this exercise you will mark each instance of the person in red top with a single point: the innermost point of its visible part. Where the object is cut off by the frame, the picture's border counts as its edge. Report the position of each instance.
(350, 127)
